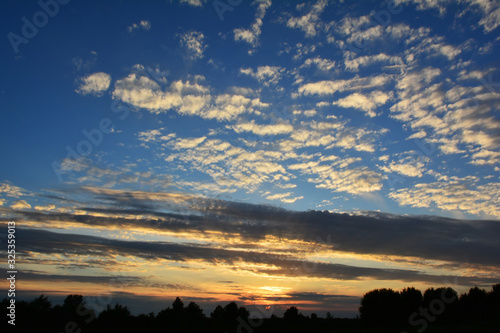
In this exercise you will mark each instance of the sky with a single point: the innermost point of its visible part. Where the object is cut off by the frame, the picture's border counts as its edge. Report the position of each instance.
(272, 153)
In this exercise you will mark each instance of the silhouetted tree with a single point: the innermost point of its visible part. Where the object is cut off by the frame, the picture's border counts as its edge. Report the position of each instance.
(229, 317)
(194, 312)
(291, 314)
(115, 319)
(473, 305)
(382, 307)
(329, 316)
(412, 300)
(494, 302)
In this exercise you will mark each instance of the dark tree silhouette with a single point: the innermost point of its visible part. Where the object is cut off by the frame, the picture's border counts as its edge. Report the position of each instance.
(115, 319)
(292, 314)
(494, 302)
(474, 305)
(229, 317)
(412, 300)
(382, 308)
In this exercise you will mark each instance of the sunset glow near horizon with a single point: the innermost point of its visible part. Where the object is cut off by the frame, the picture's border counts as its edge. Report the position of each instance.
(272, 153)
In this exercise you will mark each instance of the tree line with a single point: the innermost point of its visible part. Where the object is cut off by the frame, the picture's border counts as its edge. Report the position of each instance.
(390, 309)
(383, 310)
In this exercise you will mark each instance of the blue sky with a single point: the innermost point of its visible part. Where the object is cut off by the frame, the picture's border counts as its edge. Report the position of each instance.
(169, 106)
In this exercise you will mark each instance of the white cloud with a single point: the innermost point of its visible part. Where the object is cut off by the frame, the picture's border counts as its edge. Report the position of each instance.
(351, 62)
(310, 22)
(154, 135)
(187, 143)
(329, 87)
(490, 10)
(273, 129)
(94, 84)
(251, 36)
(45, 208)
(20, 204)
(142, 92)
(406, 167)
(264, 74)
(453, 195)
(491, 14)
(440, 5)
(194, 43)
(357, 180)
(322, 64)
(232, 167)
(11, 190)
(292, 200)
(194, 3)
(418, 135)
(143, 25)
(229, 107)
(278, 196)
(364, 102)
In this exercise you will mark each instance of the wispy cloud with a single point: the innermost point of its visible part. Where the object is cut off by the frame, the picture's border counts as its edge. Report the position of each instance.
(194, 44)
(94, 84)
(251, 36)
(142, 25)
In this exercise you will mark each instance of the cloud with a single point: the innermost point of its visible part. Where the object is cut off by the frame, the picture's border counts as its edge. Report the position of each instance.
(231, 167)
(351, 62)
(337, 177)
(264, 74)
(150, 135)
(309, 23)
(20, 204)
(94, 84)
(187, 143)
(45, 208)
(407, 167)
(12, 190)
(143, 25)
(364, 102)
(278, 196)
(440, 5)
(142, 92)
(322, 64)
(453, 195)
(194, 3)
(456, 242)
(458, 119)
(491, 14)
(229, 107)
(490, 10)
(329, 87)
(194, 43)
(189, 97)
(273, 129)
(251, 36)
